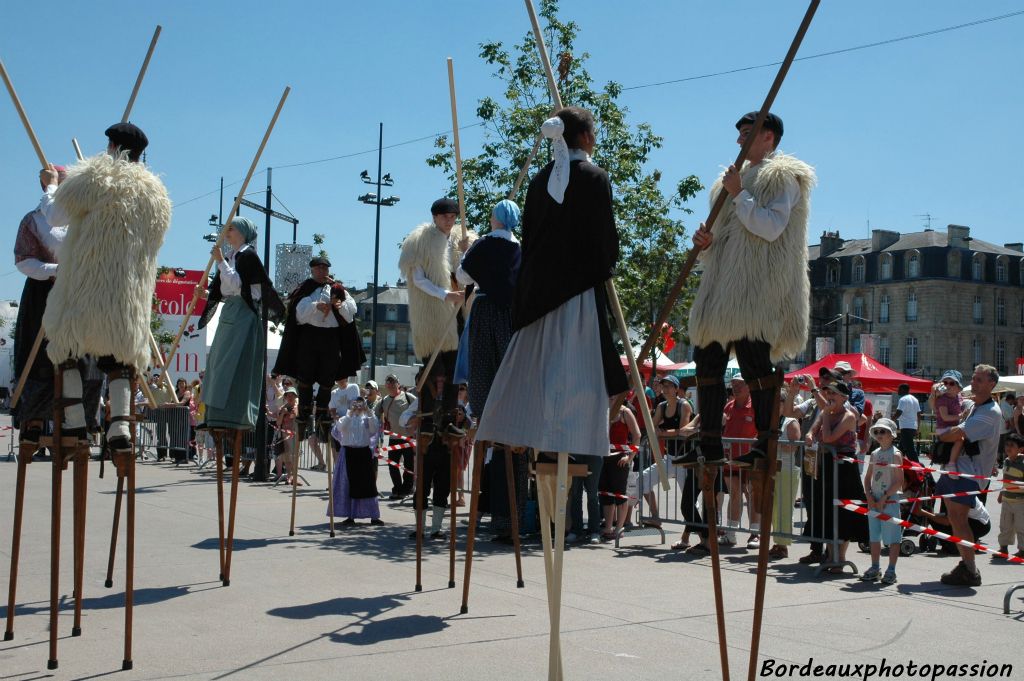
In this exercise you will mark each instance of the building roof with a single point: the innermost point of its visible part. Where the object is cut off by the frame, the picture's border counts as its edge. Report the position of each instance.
(910, 241)
(388, 296)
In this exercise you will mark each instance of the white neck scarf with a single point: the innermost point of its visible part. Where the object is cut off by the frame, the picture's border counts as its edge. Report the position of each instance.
(559, 178)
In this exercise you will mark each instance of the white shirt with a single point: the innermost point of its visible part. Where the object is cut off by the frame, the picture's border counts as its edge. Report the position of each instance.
(231, 280)
(909, 408)
(50, 226)
(409, 412)
(342, 397)
(356, 431)
(419, 278)
(770, 220)
(460, 274)
(306, 312)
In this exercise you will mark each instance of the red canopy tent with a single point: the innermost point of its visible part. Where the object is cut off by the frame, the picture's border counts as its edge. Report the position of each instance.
(874, 376)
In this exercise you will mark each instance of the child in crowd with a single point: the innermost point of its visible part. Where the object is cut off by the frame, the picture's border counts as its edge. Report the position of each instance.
(947, 404)
(882, 482)
(1011, 516)
(286, 433)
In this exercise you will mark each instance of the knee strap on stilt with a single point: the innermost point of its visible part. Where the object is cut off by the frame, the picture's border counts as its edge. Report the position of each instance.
(70, 399)
(772, 381)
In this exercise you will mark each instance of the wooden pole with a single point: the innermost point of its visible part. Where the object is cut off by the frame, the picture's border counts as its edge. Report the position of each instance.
(113, 530)
(24, 118)
(24, 457)
(330, 487)
(231, 216)
(78, 149)
(293, 470)
(458, 151)
(707, 484)
(526, 168)
(691, 258)
(236, 457)
(513, 511)
(453, 471)
(80, 479)
(55, 498)
(218, 443)
(474, 503)
(28, 366)
(421, 445)
(142, 74)
(129, 559)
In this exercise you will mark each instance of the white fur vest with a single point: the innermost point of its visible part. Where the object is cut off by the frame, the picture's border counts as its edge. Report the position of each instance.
(750, 287)
(431, 318)
(103, 296)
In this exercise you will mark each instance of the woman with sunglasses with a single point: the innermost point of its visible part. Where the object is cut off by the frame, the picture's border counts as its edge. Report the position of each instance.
(836, 433)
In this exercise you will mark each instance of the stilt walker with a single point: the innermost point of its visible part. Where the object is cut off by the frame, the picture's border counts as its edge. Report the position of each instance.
(234, 371)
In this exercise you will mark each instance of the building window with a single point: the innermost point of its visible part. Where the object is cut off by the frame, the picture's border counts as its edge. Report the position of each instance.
(978, 316)
(855, 344)
(883, 311)
(390, 340)
(391, 313)
(883, 351)
(832, 273)
(1001, 356)
(858, 270)
(1002, 267)
(912, 307)
(366, 343)
(911, 356)
(975, 352)
(391, 358)
(885, 266)
(858, 307)
(913, 264)
(1000, 312)
(978, 267)
(953, 265)
(367, 313)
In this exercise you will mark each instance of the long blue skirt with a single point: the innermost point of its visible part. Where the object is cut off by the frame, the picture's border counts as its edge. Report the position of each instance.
(234, 369)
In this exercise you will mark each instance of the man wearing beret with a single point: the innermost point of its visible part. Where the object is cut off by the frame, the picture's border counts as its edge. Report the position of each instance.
(321, 342)
(753, 298)
(430, 257)
(117, 213)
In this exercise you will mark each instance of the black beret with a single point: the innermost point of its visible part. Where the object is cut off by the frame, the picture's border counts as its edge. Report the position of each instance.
(443, 206)
(319, 260)
(128, 137)
(771, 122)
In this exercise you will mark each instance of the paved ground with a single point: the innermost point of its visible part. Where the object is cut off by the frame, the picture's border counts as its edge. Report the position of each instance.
(311, 607)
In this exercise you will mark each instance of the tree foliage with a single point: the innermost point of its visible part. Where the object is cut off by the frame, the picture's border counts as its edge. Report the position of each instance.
(653, 241)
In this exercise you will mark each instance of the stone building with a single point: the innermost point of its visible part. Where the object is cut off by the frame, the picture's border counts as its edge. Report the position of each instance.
(394, 337)
(935, 300)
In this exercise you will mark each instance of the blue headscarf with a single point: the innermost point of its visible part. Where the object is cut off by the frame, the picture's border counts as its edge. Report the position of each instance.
(245, 227)
(507, 213)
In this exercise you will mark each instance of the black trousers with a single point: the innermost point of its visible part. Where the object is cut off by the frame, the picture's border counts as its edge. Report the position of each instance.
(907, 444)
(754, 357)
(691, 510)
(402, 481)
(322, 403)
(443, 404)
(437, 467)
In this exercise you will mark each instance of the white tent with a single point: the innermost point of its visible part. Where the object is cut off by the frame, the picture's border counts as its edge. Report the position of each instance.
(1013, 382)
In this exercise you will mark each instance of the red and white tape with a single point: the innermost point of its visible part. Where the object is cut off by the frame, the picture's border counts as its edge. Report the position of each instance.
(908, 500)
(616, 495)
(926, 469)
(849, 505)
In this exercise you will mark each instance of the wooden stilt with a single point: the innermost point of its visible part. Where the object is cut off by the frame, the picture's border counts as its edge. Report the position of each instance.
(707, 485)
(57, 452)
(513, 510)
(421, 444)
(129, 572)
(113, 529)
(81, 483)
(453, 458)
(561, 499)
(293, 470)
(330, 487)
(218, 441)
(474, 504)
(548, 497)
(24, 458)
(235, 462)
(767, 496)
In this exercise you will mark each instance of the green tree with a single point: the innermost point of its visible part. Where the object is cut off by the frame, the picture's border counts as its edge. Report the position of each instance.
(653, 239)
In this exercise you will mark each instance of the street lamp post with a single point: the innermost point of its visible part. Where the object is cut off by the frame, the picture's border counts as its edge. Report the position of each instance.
(378, 201)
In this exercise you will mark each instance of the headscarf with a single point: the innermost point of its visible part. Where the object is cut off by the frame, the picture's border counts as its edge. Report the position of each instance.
(553, 129)
(507, 213)
(245, 227)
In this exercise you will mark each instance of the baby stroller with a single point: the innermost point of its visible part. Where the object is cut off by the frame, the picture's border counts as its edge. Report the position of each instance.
(916, 483)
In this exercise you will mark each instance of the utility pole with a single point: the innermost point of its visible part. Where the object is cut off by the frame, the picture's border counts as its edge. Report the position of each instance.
(376, 200)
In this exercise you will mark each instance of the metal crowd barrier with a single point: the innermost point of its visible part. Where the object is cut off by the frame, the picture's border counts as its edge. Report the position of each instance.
(733, 515)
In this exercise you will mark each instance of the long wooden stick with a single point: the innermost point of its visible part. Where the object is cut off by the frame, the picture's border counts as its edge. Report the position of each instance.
(458, 150)
(227, 223)
(613, 297)
(78, 149)
(28, 367)
(526, 168)
(716, 208)
(142, 74)
(24, 118)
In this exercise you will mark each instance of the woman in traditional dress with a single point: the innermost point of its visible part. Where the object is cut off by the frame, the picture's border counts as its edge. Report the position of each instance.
(355, 481)
(234, 372)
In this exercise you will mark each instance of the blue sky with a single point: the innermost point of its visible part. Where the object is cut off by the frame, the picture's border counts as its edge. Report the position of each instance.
(920, 126)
